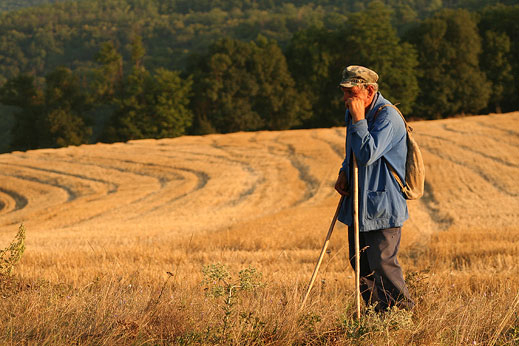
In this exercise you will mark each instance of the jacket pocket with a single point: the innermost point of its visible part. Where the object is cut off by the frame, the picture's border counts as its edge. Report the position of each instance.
(377, 205)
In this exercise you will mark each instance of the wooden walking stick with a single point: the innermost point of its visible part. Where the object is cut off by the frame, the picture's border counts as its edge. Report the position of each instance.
(356, 230)
(323, 251)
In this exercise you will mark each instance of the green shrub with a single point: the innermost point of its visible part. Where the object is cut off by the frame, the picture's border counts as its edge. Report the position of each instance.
(12, 254)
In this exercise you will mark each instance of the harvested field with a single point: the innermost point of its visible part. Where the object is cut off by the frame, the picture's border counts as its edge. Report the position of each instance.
(105, 223)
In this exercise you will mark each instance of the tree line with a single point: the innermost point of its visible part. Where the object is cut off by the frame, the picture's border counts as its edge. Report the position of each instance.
(11, 5)
(452, 62)
(68, 33)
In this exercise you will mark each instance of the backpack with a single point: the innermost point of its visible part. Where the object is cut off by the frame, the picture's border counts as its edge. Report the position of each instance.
(414, 166)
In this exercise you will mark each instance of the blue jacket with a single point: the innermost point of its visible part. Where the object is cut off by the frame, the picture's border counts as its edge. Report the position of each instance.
(381, 202)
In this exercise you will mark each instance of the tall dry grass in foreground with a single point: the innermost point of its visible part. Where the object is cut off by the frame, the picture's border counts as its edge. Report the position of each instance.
(463, 296)
(212, 240)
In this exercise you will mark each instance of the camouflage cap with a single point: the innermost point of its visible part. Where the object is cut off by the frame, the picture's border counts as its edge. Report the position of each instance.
(355, 75)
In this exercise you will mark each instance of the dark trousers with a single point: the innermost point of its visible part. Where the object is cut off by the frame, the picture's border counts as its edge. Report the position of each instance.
(381, 281)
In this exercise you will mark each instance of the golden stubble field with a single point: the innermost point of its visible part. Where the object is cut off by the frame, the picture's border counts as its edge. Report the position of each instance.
(105, 223)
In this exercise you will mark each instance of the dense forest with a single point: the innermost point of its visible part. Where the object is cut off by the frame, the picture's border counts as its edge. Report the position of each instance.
(112, 70)
(10, 5)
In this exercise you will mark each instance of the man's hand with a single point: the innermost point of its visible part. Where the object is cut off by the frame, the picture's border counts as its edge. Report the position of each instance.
(342, 185)
(357, 108)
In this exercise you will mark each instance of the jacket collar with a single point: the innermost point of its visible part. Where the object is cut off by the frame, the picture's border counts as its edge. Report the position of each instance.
(378, 101)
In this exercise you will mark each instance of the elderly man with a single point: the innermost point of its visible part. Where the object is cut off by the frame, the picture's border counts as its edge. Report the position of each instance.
(377, 137)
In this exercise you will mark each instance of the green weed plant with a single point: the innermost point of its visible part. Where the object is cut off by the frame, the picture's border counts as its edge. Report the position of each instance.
(373, 322)
(12, 254)
(219, 283)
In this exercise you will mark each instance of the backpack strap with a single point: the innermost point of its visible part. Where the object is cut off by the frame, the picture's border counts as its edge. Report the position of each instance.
(408, 129)
(393, 172)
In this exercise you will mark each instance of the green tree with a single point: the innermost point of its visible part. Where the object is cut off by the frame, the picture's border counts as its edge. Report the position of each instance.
(22, 92)
(53, 117)
(64, 112)
(499, 26)
(108, 77)
(137, 52)
(372, 41)
(451, 81)
(19, 91)
(317, 56)
(150, 105)
(495, 61)
(154, 106)
(245, 86)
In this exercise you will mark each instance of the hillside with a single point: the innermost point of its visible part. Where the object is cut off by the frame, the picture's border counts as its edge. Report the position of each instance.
(117, 236)
(194, 184)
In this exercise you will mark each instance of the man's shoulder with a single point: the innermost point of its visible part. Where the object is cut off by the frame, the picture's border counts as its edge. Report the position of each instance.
(385, 111)
(388, 115)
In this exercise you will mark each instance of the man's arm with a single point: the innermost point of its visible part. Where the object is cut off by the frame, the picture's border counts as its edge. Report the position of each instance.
(368, 146)
(371, 146)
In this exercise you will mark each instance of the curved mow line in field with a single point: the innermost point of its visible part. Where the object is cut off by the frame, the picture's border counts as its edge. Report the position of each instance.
(339, 150)
(341, 132)
(470, 149)
(430, 202)
(254, 139)
(113, 189)
(162, 181)
(202, 178)
(71, 195)
(336, 148)
(486, 135)
(246, 166)
(456, 130)
(495, 183)
(311, 183)
(19, 200)
(494, 127)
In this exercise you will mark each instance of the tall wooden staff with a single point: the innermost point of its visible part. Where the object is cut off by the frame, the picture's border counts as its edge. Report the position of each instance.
(356, 231)
(323, 251)
(357, 245)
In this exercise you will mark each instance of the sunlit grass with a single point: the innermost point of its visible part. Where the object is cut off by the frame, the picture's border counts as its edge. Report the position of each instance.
(135, 301)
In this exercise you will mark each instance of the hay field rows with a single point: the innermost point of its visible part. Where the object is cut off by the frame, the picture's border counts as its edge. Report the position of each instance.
(106, 222)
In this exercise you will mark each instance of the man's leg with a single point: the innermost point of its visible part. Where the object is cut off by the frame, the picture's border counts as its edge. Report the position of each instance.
(388, 278)
(369, 295)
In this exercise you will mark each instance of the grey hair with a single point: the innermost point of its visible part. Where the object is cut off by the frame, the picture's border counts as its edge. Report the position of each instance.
(365, 85)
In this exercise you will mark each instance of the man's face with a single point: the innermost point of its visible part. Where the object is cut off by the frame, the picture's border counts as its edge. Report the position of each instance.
(363, 94)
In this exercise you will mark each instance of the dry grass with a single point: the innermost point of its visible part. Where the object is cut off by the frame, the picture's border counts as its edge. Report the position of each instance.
(105, 223)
